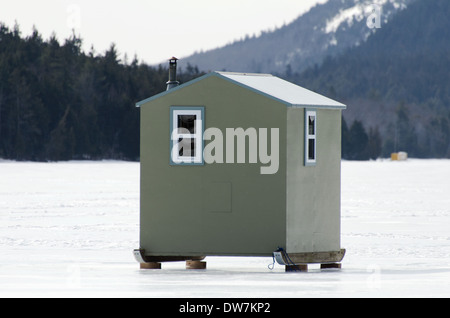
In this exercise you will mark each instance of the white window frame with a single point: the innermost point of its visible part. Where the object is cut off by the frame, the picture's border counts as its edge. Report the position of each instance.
(310, 137)
(176, 135)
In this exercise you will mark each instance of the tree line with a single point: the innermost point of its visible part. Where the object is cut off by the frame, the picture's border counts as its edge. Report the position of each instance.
(431, 140)
(59, 103)
(409, 98)
(396, 83)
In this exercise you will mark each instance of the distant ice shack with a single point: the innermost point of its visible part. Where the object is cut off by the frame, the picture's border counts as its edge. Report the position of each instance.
(238, 164)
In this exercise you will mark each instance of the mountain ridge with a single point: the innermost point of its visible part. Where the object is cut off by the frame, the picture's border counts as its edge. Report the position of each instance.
(397, 81)
(394, 79)
(326, 29)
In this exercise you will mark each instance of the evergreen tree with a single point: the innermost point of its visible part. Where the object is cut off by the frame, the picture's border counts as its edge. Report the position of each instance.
(406, 139)
(58, 103)
(374, 144)
(358, 141)
(438, 137)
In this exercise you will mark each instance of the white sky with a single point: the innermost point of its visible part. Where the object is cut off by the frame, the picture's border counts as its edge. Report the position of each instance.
(153, 29)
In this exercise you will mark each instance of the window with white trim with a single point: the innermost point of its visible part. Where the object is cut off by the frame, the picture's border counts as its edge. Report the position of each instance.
(186, 142)
(310, 137)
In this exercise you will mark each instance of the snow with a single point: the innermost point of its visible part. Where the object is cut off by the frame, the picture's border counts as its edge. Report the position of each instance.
(68, 230)
(347, 15)
(361, 10)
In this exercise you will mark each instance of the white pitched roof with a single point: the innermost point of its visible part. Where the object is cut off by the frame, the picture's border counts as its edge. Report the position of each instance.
(268, 85)
(284, 91)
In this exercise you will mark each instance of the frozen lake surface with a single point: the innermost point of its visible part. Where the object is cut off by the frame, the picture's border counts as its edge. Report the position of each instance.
(68, 230)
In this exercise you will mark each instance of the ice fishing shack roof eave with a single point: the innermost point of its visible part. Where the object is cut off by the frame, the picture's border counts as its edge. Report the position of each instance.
(267, 85)
(159, 95)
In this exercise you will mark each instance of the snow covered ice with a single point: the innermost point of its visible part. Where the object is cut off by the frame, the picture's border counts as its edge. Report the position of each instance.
(68, 230)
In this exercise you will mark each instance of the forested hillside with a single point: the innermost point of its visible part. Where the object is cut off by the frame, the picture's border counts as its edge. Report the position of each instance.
(328, 28)
(396, 85)
(59, 103)
(394, 79)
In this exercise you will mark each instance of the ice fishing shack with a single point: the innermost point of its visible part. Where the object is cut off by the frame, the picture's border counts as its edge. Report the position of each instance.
(239, 164)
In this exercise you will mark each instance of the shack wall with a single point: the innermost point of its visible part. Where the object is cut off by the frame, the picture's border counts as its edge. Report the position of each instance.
(211, 209)
(313, 192)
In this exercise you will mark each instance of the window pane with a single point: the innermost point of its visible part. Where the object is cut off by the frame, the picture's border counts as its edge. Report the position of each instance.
(311, 125)
(186, 122)
(186, 147)
(311, 148)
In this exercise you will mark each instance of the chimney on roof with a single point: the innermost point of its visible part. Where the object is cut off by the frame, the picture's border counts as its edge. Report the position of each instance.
(172, 73)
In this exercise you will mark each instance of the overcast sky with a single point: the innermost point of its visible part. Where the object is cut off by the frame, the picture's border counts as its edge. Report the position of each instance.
(154, 30)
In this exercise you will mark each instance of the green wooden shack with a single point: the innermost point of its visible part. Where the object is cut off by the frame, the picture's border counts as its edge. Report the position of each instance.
(238, 164)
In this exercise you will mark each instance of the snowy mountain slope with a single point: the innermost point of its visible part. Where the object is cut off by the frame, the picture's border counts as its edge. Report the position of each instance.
(404, 64)
(326, 29)
(361, 10)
